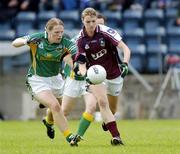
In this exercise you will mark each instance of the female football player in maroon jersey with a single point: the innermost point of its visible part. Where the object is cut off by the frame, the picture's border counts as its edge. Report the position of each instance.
(97, 44)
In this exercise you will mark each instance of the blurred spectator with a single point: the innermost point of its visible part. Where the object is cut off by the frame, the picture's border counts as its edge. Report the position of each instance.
(115, 5)
(47, 5)
(126, 4)
(30, 5)
(177, 21)
(162, 4)
(9, 9)
(58, 5)
(118, 5)
(65, 4)
(141, 4)
(96, 4)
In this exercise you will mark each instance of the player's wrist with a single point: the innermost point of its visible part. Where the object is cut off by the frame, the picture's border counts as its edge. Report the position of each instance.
(125, 63)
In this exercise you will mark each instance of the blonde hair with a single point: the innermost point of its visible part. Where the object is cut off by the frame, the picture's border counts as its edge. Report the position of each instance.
(53, 22)
(88, 12)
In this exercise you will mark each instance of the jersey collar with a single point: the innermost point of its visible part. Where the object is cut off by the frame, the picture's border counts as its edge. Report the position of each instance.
(84, 33)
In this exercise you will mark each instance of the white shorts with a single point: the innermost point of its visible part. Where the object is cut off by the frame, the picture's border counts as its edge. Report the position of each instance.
(114, 86)
(55, 83)
(74, 88)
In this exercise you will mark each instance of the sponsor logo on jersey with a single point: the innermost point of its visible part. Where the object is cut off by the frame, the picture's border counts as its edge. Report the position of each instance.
(93, 41)
(99, 54)
(48, 55)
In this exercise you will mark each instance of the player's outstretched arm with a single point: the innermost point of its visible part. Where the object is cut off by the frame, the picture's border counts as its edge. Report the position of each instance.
(126, 51)
(18, 42)
(23, 41)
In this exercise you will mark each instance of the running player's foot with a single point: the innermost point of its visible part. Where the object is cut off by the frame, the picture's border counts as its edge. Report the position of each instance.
(50, 129)
(104, 127)
(116, 141)
(74, 139)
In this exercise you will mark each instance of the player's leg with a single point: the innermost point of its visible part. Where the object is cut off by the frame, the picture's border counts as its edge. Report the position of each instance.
(47, 98)
(99, 91)
(114, 88)
(70, 92)
(87, 117)
(46, 91)
(48, 121)
(113, 103)
(68, 104)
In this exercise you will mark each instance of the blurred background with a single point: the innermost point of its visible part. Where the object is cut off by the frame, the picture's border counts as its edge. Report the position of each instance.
(151, 29)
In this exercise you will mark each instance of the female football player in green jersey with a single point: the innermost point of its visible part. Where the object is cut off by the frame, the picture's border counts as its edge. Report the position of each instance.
(75, 87)
(47, 50)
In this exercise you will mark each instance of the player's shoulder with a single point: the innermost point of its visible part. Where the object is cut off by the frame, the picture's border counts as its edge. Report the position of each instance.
(67, 42)
(80, 35)
(74, 39)
(107, 30)
(64, 38)
(103, 27)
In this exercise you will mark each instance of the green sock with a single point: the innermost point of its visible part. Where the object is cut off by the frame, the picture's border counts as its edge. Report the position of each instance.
(85, 121)
(68, 138)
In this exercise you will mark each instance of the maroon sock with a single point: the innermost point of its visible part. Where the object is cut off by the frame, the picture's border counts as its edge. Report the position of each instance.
(112, 127)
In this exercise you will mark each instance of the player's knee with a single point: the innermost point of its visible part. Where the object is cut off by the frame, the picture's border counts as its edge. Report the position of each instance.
(66, 113)
(55, 107)
(91, 109)
(102, 103)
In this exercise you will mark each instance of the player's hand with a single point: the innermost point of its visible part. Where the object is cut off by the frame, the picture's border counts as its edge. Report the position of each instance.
(76, 69)
(88, 81)
(34, 41)
(124, 69)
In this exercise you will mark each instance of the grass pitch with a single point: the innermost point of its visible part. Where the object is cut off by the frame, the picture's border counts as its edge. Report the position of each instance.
(140, 137)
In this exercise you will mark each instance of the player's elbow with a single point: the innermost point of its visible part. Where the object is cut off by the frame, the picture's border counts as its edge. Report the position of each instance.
(14, 43)
(19, 42)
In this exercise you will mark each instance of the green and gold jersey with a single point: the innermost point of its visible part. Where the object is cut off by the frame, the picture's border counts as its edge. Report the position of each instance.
(46, 58)
(67, 70)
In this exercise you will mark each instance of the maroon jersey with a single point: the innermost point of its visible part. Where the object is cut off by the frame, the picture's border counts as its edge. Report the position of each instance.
(101, 49)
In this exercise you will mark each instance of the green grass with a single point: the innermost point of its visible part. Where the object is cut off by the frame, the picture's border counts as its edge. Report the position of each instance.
(140, 137)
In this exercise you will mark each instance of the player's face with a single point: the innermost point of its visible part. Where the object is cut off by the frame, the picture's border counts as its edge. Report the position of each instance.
(90, 24)
(55, 35)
